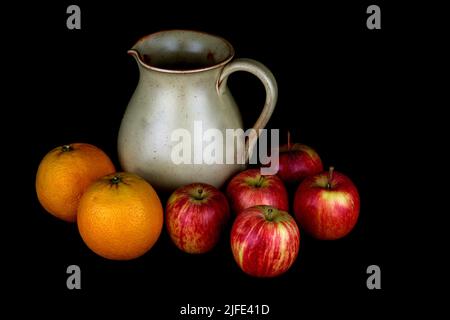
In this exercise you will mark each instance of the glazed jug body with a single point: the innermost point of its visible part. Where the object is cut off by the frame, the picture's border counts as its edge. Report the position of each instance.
(181, 96)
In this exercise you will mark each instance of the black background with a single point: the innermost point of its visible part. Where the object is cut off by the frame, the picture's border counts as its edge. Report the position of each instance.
(336, 81)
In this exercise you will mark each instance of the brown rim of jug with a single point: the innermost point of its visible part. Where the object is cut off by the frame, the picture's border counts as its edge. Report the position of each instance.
(133, 52)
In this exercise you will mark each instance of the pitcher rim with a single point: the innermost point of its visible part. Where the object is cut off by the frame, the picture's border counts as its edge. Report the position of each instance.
(147, 66)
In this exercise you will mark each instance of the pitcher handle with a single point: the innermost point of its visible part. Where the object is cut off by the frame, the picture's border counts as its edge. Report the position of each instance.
(270, 84)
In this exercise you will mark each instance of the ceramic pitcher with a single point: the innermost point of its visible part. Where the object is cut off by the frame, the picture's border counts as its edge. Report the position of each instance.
(183, 85)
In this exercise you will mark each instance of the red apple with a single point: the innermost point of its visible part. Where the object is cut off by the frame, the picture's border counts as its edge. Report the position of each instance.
(195, 217)
(297, 161)
(249, 188)
(265, 241)
(327, 205)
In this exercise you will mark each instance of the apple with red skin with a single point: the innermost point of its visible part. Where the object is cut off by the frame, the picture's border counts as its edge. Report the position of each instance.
(265, 241)
(195, 217)
(297, 161)
(327, 205)
(250, 188)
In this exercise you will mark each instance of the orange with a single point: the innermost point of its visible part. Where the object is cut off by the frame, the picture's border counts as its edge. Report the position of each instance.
(65, 173)
(120, 216)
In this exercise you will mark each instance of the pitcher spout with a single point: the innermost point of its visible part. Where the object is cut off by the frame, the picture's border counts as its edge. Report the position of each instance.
(141, 52)
(135, 54)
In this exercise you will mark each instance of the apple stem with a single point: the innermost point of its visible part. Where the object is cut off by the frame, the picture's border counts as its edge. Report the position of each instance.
(260, 181)
(199, 195)
(269, 213)
(289, 140)
(330, 177)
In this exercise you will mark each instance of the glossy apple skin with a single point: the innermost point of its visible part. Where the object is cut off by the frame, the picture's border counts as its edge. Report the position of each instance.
(250, 188)
(297, 162)
(195, 224)
(327, 214)
(263, 247)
